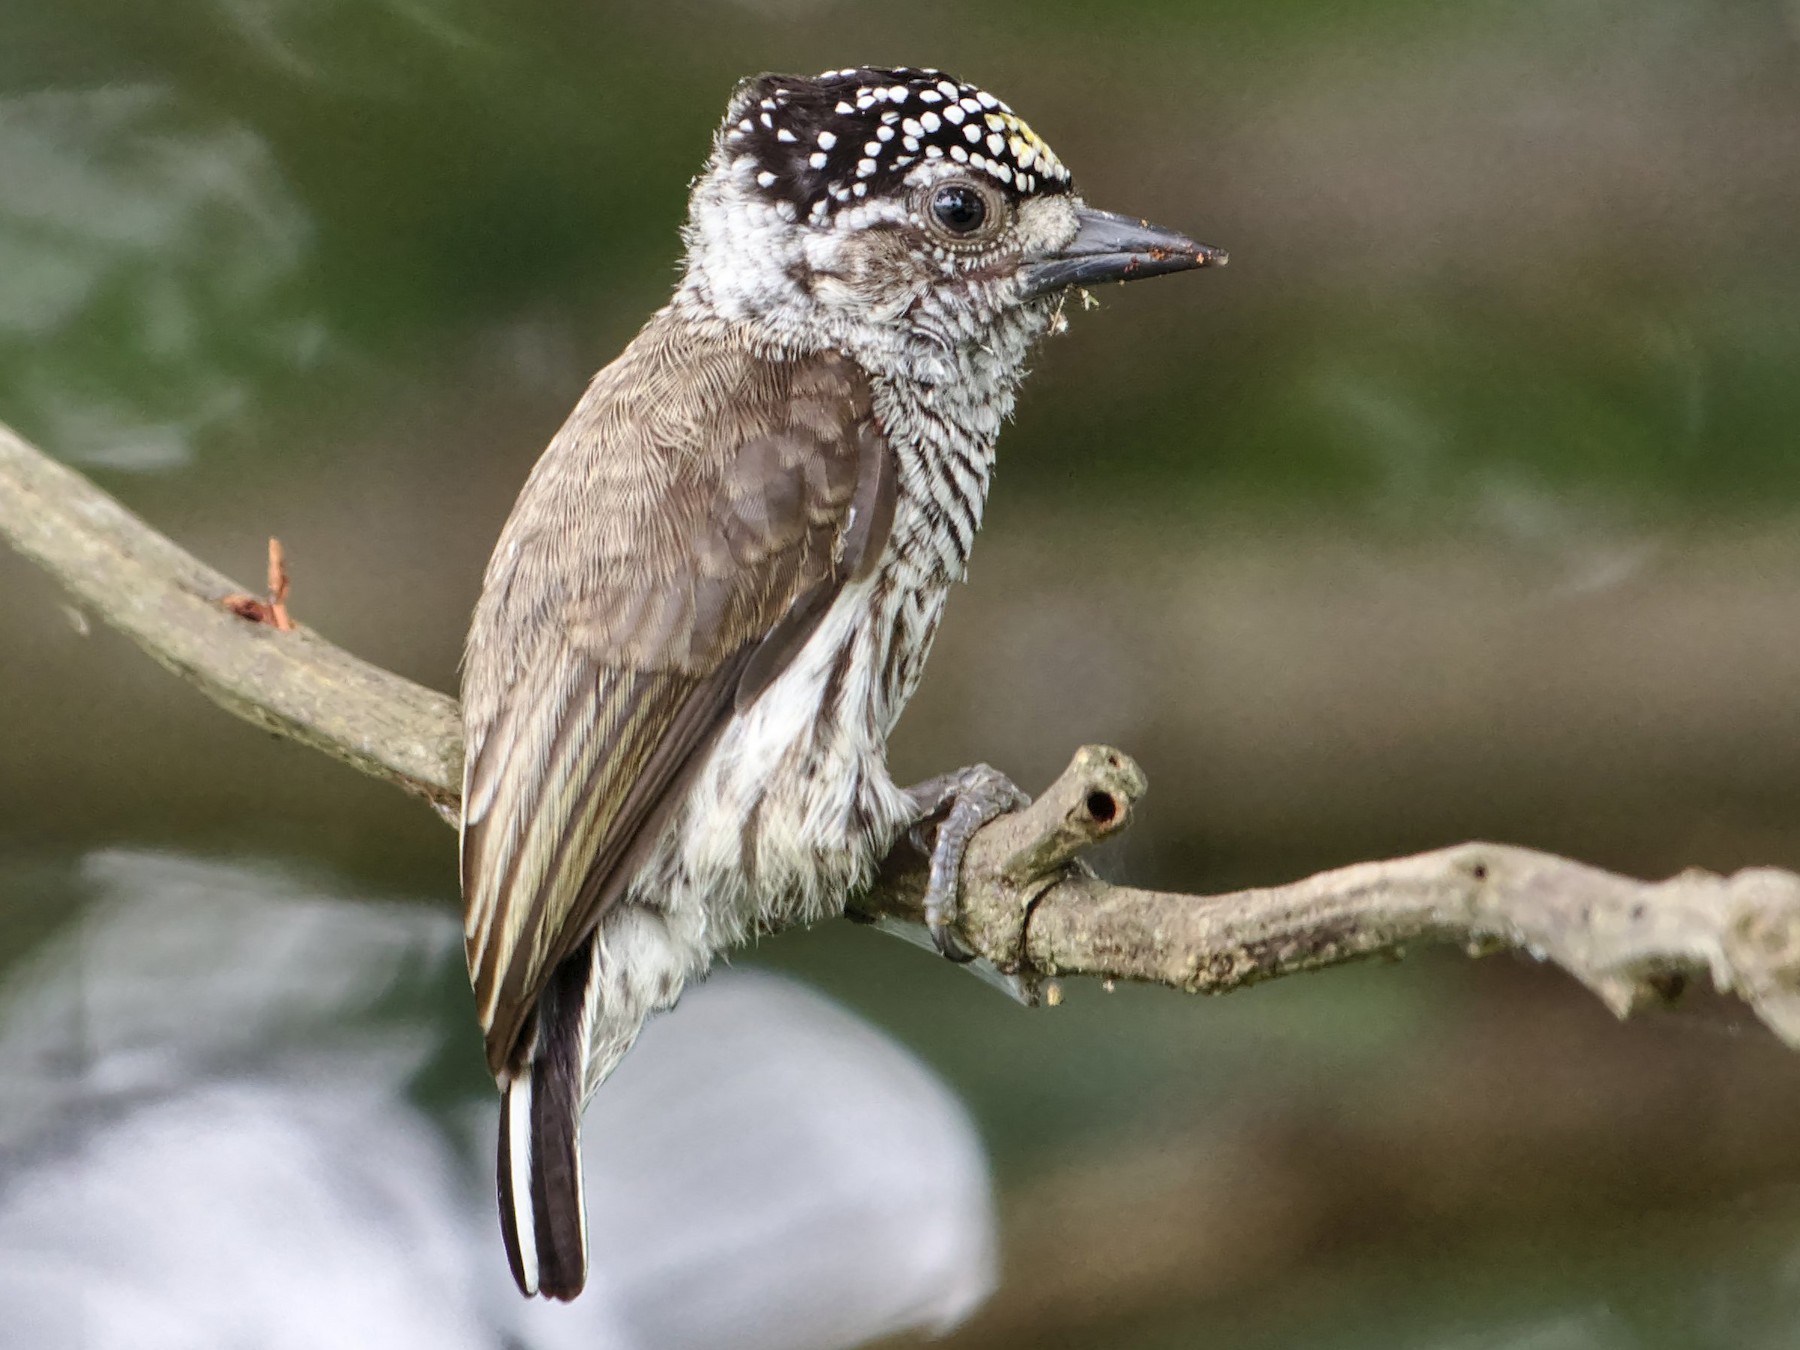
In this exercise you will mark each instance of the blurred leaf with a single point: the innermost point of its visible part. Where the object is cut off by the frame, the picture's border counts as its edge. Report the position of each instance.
(149, 261)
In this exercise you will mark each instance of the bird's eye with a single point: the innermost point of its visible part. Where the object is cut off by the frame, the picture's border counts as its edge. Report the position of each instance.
(959, 208)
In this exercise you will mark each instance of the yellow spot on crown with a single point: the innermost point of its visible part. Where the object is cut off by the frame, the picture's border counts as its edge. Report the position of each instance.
(1021, 138)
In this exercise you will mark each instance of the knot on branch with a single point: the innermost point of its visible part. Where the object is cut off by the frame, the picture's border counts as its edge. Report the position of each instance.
(1018, 857)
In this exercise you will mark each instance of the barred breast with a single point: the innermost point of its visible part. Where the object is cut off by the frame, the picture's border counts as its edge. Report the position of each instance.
(795, 804)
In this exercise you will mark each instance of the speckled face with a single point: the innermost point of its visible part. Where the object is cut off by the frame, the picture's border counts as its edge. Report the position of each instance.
(818, 144)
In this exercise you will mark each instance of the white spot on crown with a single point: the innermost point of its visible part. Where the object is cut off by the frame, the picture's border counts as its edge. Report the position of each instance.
(994, 140)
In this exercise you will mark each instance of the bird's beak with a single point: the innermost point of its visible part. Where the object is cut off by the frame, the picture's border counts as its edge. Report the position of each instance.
(1110, 247)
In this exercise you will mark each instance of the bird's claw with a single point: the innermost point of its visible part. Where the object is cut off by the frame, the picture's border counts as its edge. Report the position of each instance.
(941, 924)
(962, 803)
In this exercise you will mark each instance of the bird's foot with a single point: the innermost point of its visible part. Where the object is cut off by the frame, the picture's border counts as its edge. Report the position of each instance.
(959, 804)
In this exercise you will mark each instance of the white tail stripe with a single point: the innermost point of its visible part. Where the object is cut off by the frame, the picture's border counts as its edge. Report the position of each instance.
(518, 1158)
(590, 1014)
(581, 1202)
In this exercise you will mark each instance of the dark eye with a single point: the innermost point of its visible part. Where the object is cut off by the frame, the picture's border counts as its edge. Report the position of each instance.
(959, 208)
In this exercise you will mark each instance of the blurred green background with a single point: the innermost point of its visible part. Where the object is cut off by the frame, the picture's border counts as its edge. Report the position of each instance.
(1462, 505)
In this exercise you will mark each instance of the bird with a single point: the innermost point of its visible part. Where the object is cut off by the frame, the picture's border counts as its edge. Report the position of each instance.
(717, 588)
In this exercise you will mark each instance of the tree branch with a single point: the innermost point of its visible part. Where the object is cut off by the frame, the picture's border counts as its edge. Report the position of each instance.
(172, 605)
(1030, 906)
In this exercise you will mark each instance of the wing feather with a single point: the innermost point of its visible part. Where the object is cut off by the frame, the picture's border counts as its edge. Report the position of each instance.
(668, 556)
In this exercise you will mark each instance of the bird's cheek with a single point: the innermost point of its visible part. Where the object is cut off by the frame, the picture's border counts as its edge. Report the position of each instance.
(874, 275)
(878, 293)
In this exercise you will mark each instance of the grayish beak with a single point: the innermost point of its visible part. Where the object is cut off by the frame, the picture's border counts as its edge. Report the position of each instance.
(1110, 247)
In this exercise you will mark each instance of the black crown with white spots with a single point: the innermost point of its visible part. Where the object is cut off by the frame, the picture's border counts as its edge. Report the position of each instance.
(822, 143)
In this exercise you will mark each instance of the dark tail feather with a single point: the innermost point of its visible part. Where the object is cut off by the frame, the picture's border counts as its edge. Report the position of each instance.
(541, 1213)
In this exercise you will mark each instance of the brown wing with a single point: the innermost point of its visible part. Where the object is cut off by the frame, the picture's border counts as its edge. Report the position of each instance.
(674, 547)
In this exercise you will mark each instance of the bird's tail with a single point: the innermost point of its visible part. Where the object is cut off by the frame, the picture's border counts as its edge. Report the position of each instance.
(542, 1215)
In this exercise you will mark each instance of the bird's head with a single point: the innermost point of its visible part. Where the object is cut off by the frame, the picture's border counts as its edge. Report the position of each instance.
(902, 216)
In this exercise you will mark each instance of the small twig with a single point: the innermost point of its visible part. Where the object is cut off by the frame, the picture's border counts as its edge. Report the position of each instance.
(278, 587)
(272, 611)
(1028, 903)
